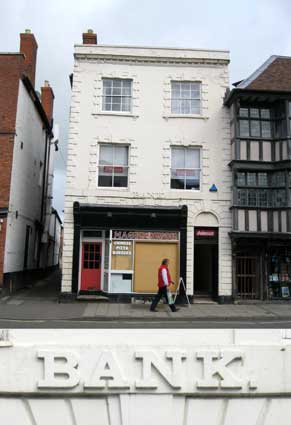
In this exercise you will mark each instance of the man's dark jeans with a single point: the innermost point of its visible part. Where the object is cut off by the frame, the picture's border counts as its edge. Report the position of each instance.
(162, 292)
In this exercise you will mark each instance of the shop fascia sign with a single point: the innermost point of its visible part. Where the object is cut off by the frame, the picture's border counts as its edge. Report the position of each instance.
(208, 233)
(142, 370)
(129, 235)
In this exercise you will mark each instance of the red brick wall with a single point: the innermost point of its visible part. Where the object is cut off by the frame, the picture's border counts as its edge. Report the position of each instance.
(10, 71)
(28, 46)
(47, 101)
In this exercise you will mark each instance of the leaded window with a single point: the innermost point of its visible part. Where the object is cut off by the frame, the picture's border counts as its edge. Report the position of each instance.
(251, 194)
(255, 122)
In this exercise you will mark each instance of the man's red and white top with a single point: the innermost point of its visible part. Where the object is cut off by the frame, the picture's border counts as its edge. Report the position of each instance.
(164, 278)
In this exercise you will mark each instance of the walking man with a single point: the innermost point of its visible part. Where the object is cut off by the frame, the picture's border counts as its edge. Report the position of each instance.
(164, 281)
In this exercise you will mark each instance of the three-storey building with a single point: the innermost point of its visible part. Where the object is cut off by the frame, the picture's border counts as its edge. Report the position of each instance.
(261, 168)
(147, 173)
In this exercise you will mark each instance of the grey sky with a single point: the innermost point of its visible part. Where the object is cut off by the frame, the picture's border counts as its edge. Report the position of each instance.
(251, 29)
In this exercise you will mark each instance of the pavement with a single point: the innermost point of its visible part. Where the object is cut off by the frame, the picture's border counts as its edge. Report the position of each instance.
(40, 303)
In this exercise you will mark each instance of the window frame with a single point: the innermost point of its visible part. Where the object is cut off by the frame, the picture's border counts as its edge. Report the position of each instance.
(113, 165)
(189, 99)
(251, 119)
(273, 193)
(185, 148)
(112, 96)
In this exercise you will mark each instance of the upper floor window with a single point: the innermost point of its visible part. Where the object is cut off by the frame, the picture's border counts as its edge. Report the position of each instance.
(185, 168)
(117, 95)
(186, 97)
(113, 166)
(255, 122)
(261, 179)
(261, 189)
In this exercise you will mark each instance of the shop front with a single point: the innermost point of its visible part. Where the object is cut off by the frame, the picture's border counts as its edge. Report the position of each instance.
(262, 267)
(118, 250)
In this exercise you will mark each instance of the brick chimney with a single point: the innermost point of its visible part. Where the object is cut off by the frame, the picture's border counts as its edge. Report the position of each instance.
(28, 46)
(89, 37)
(47, 100)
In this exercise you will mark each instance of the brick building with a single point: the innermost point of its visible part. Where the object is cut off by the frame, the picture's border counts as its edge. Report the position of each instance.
(147, 171)
(26, 136)
(260, 109)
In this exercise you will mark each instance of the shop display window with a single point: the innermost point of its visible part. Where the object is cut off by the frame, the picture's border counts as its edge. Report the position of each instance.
(279, 278)
(122, 255)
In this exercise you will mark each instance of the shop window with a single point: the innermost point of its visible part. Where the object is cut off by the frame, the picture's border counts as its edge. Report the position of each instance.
(279, 273)
(117, 95)
(255, 122)
(186, 97)
(113, 166)
(185, 168)
(122, 255)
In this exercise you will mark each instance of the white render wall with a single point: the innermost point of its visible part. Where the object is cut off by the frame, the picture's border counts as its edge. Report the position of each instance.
(264, 356)
(150, 131)
(26, 189)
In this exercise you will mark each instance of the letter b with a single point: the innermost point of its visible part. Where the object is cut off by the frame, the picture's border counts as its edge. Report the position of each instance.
(60, 369)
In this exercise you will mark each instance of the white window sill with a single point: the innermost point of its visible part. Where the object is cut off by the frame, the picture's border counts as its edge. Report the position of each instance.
(116, 114)
(185, 190)
(107, 188)
(192, 116)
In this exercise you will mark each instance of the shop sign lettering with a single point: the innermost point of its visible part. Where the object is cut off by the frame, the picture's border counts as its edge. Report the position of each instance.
(205, 233)
(122, 248)
(120, 234)
(212, 370)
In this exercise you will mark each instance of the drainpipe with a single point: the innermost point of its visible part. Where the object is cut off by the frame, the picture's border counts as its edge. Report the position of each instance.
(43, 195)
(55, 229)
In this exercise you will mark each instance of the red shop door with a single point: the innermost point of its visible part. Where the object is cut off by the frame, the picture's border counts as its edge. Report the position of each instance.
(91, 266)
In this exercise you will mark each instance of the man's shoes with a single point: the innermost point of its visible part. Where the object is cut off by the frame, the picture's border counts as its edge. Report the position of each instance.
(154, 310)
(174, 311)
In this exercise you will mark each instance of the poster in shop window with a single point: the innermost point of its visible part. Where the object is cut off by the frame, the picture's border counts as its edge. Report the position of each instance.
(121, 255)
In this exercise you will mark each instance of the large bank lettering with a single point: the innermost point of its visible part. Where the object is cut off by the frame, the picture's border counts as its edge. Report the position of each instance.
(217, 370)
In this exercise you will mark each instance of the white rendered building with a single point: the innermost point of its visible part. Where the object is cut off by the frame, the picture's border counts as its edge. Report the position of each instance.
(129, 377)
(147, 173)
(26, 168)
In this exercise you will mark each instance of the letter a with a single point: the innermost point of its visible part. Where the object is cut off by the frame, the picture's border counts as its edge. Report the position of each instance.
(107, 369)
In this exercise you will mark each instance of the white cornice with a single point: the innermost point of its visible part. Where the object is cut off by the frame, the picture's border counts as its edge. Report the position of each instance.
(149, 60)
(151, 54)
